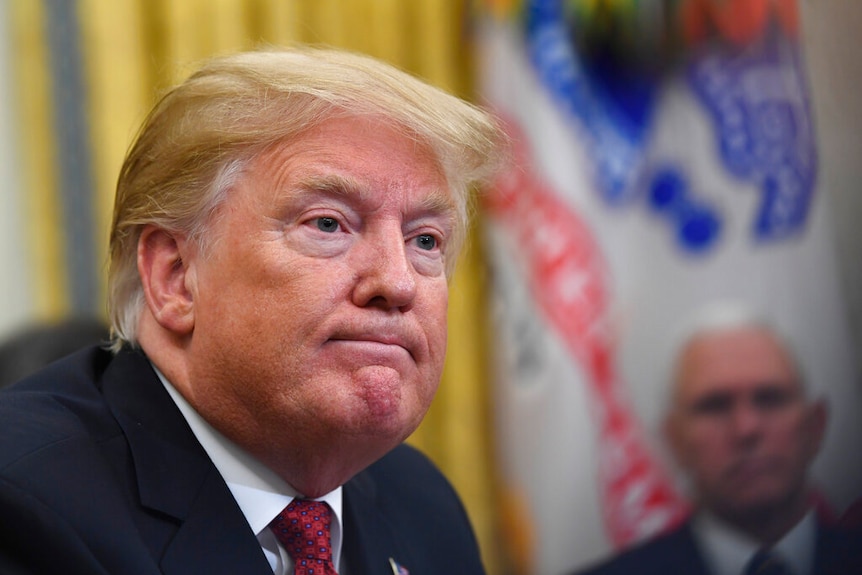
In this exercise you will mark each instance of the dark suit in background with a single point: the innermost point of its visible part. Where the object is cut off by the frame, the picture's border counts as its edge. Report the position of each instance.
(99, 473)
(744, 427)
(836, 552)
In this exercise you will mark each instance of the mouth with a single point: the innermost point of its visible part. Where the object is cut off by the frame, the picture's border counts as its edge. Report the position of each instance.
(370, 345)
(752, 470)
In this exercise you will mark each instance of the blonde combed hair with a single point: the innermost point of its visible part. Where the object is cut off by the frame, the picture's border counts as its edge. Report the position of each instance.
(194, 144)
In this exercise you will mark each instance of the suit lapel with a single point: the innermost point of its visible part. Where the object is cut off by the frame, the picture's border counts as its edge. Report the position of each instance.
(215, 537)
(203, 530)
(688, 556)
(370, 541)
(838, 551)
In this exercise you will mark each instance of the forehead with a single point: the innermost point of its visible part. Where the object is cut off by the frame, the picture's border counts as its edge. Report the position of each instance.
(733, 360)
(354, 155)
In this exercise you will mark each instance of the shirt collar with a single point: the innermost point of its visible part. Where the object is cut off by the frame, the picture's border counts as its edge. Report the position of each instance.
(727, 551)
(260, 493)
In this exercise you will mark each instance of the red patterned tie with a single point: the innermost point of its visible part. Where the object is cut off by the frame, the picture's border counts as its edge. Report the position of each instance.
(303, 529)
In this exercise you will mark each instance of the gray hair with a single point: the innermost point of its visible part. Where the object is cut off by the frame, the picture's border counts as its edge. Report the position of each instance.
(724, 316)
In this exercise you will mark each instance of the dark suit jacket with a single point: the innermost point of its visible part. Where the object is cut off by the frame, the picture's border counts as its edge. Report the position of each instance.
(836, 553)
(99, 473)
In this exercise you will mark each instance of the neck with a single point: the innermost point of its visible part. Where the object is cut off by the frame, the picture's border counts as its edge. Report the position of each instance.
(765, 525)
(317, 472)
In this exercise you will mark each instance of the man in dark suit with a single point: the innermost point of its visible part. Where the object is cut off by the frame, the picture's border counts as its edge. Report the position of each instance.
(742, 426)
(284, 229)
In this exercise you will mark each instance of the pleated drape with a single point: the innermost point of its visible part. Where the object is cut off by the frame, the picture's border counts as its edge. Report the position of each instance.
(43, 240)
(133, 49)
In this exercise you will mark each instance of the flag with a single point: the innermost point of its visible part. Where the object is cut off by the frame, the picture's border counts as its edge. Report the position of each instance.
(664, 158)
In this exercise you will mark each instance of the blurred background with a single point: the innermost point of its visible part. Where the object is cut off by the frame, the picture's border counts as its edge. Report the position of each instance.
(669, 153)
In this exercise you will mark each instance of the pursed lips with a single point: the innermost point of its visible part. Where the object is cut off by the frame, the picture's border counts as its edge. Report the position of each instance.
(752, 468)
(375, 344)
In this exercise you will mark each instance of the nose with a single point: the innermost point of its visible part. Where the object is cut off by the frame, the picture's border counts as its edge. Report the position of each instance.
(746, 421)
(385, 276)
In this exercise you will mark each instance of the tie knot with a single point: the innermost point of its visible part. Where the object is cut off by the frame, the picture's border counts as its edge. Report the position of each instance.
(766, 562)
(303, 528)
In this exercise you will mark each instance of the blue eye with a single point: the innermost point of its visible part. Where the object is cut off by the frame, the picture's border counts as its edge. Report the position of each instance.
(426, 242)
(327, 224)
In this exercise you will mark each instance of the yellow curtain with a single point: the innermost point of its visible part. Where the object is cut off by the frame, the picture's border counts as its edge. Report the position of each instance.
(38, 155)
(132, 49)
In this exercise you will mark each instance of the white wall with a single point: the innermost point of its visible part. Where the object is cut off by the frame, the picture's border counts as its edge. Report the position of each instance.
(833, 34)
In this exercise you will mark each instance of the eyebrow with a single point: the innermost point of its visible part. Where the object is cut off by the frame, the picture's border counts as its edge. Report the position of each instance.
(765, 387)
(436, 201)
(331, 184)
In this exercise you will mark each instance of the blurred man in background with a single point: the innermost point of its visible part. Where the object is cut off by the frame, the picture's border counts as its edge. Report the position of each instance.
(744, 429)
(284, 230)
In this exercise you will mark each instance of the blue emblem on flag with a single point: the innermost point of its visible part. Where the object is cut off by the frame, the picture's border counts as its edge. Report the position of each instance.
(697, 224)
(611, 108)
(758, 100)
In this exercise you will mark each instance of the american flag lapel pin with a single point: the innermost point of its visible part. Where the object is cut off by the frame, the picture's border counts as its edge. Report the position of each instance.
(397, 569)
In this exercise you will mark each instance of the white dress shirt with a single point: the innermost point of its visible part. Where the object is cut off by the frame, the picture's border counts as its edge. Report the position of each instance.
(259, 492)
(727, 551)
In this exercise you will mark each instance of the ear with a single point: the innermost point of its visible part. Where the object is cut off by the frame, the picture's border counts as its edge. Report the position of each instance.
(818, 416)
(166, 280)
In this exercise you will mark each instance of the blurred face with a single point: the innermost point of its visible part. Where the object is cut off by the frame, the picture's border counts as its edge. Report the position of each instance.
(741, 425)
(320, 307)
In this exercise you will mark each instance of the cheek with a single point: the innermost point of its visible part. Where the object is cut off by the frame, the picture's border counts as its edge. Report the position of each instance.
(799, 439)
(706, 447)
(437, 333)
(289, 289)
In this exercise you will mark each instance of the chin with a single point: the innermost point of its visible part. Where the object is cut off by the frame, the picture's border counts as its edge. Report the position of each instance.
(390, 402)
(758, 504)
(396, 426)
